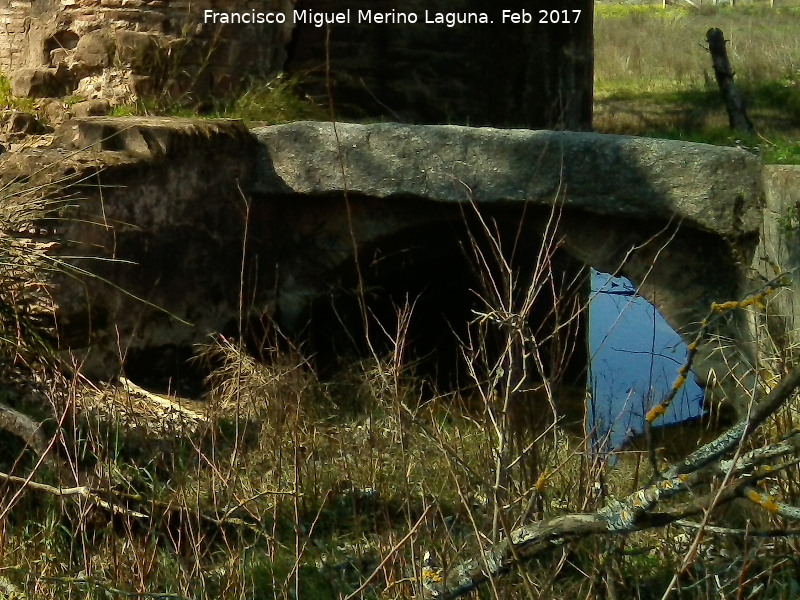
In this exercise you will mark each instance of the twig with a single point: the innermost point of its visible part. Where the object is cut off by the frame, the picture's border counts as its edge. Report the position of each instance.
(82, 490)
(391, 553)
(635, 512)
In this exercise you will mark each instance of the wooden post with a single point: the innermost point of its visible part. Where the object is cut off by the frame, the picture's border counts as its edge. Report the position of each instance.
(735, 104)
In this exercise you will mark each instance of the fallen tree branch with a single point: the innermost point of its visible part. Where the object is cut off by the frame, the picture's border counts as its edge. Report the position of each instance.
(23, 426)
(635, 512)
(95, 495)
(81, 490)
(730, 439)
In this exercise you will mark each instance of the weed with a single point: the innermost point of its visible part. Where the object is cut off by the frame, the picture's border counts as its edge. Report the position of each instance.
(273, 102)
(9, 101)
(285, 496)
(270, 102)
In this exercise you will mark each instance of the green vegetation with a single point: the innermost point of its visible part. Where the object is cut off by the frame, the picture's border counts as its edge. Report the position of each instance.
(7, 100)
(653, 74)
(261, 102)
(283, 485)
(272, 103)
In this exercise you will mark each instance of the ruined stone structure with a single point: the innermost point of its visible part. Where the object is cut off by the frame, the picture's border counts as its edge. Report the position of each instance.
(501, 74)
(120, 50)
(498, 74)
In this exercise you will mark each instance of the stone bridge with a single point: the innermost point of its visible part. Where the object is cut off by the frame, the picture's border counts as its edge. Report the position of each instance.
(210, 227)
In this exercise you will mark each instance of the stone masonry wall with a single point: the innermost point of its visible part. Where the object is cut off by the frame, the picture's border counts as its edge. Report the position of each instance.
(122, 49)
(498, 74)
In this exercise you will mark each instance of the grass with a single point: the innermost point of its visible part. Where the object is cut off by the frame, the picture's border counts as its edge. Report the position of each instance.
(292, 487)
(9, 101)
(640, 89)
(268, 102)
(297, 487)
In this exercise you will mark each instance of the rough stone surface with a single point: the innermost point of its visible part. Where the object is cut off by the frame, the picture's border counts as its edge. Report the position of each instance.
(136, 49)
(779, 250)
(154, 137)
(91, 108)
(95, 49)
(681, 220)
(156, 219)
(21, 123)
(709, 188)
(36, 83)
(499, 74)
(55, 111)
(164, 39)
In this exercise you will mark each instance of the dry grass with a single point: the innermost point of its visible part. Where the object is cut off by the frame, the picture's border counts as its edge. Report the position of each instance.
(290, 486)
(656, 50)
(293, 487)
(287, 495)
(653, 74)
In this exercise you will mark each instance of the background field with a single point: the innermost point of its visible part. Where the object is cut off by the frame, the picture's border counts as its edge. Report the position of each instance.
(653, 73)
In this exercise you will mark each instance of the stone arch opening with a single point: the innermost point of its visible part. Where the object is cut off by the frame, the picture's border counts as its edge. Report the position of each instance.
(447, 273)
(60, 41)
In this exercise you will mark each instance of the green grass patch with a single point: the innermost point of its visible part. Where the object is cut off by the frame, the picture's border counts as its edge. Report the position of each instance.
(271, 102)
(649, 48)
(783, 152)
(654, 75)
(778, 95)
(9, 101)
(672, 11)
(637, 11)
(274, 102)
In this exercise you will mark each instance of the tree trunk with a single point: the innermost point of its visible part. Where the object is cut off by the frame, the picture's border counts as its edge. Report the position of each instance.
(735, 104)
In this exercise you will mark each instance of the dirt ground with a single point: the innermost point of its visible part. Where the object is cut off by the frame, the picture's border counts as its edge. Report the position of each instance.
(638, 117)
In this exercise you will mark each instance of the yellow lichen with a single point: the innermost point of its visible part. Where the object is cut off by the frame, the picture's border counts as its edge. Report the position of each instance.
(542, 481)
(765, 501)
(657, 411)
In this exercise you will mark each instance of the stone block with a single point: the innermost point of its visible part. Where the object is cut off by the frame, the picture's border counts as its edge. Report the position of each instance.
(91, 108)
(22, 123)
(136, 49)
(35, 83)
(55, 111)
(95, 49)
(59, 56)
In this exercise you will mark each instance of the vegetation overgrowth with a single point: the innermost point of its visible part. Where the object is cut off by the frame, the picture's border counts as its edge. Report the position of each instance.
(282, 485)
(653, 73)
(288, 485)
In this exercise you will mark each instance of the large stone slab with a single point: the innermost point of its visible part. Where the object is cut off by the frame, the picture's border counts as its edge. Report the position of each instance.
(710, 188)
(680, 219)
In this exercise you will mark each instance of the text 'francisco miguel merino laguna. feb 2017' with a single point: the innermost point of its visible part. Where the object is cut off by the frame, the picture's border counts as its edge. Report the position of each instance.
(393, 17)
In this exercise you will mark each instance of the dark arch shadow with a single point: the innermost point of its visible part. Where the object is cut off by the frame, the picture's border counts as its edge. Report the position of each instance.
(445, 273)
